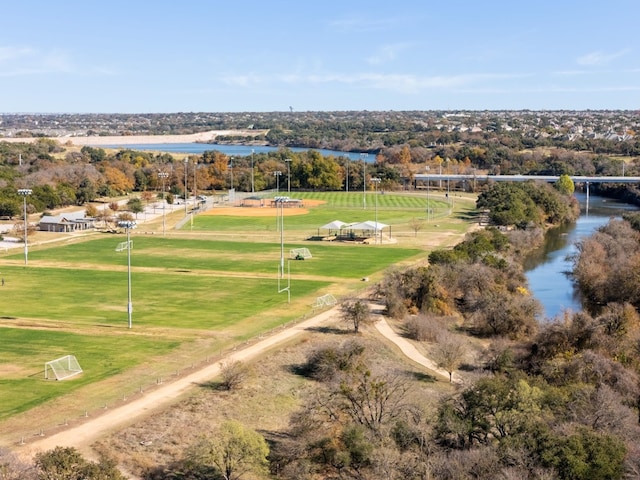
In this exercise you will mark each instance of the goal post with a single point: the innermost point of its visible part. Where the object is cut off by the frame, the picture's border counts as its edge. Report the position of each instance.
(299, 253)
(327, 300)
(62, 368)
(122, 246)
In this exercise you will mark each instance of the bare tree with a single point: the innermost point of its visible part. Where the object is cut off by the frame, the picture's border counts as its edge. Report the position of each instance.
(356, 312)
(449, 352)
(416, 225)
(234, 374)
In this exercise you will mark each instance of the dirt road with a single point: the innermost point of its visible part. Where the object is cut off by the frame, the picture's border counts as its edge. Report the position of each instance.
(82, 436)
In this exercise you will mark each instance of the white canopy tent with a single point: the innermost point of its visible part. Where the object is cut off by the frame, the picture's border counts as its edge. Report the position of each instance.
(368, 229)
(336, 226)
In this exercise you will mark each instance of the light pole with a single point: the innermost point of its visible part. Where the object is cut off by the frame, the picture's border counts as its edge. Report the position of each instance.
(427, 168)
(195, 181)
(163, 176)
(186, 165)
(24, 193)
(376, 181)
(288, 160)
(448, 199)
(128, 225)
(252, 185)
(347, 161)
(364, 179)
(277, 174)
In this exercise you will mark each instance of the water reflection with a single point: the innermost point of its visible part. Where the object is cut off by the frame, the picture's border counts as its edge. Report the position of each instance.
(547, 268)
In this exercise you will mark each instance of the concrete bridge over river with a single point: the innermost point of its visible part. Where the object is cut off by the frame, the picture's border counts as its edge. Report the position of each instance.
(428, 178)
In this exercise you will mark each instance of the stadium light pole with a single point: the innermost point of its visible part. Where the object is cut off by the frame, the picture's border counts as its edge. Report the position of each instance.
(347, 160)
(128, 225)
(364, 179)
(195, 181)
(376, 181)
(186, 168)
(277, 174)
(163, 176)
(288, 160)
(448, 199)
(24, 193)
(252, 175)
(427, 168)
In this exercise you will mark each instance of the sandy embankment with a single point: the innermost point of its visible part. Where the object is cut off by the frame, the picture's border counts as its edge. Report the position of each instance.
(201, 137)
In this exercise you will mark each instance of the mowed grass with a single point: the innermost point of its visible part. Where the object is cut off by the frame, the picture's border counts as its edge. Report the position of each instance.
(23, 353)
(170, 255)
(392, 209)
(72, 297)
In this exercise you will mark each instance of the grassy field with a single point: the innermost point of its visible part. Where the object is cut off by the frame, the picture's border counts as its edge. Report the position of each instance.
(193, 293)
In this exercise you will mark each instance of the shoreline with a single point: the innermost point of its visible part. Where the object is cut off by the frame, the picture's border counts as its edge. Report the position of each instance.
(202, 137)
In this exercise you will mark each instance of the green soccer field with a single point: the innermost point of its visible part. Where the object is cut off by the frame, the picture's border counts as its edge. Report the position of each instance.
(193, 294)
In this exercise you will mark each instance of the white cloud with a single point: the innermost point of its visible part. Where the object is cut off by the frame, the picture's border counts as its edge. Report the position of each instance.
(23, 61)
(387, 53)
(404, 83)
(13, 53)
(363, 24)
(600, 58)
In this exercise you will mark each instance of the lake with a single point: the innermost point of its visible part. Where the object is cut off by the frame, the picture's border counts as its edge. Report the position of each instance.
(231, 150)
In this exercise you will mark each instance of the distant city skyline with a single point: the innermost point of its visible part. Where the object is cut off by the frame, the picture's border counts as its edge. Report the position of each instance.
(207, 56)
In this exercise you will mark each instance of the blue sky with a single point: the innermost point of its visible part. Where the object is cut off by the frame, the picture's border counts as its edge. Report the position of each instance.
(139, 56)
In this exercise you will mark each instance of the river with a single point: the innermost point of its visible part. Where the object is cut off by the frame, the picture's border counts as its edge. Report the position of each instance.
(547, 268)
(233, 150)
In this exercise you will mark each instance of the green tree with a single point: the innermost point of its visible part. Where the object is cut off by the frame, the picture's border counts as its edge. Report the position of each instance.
(135, 206)
(9, 208)
(66, 463)
(565, 185)
(234, 449)
(587, 455)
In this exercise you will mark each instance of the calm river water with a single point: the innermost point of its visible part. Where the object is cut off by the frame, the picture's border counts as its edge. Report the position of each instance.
(547, 268)
(237, 150)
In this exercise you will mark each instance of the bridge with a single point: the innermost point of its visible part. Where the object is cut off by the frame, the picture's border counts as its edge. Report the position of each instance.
(426, 177)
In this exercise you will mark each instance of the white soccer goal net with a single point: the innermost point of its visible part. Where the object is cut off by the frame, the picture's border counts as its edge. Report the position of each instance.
(124, 246)
(299, 253)
(61, 368)
(327, 300)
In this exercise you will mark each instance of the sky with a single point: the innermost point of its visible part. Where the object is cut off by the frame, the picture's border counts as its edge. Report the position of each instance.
(166, 56)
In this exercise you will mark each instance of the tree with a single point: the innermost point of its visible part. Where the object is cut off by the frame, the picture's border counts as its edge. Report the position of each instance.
(234, 374)
(416, 225)
(565, 185)
(9, 208)
(66, 463)
(233, 449)
(135, 206)
(449, 352)
(91, 211)
(355, 312)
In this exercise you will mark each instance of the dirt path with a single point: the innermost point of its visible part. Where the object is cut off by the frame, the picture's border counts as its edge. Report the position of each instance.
(408, 349)
(83, 435)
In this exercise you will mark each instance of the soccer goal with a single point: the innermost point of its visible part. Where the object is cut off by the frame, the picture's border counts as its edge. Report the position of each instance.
(299, 253)
(122, 246)
(327, 300)
(61, 368)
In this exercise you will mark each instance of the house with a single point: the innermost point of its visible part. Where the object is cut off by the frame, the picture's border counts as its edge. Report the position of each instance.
(66, 222)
